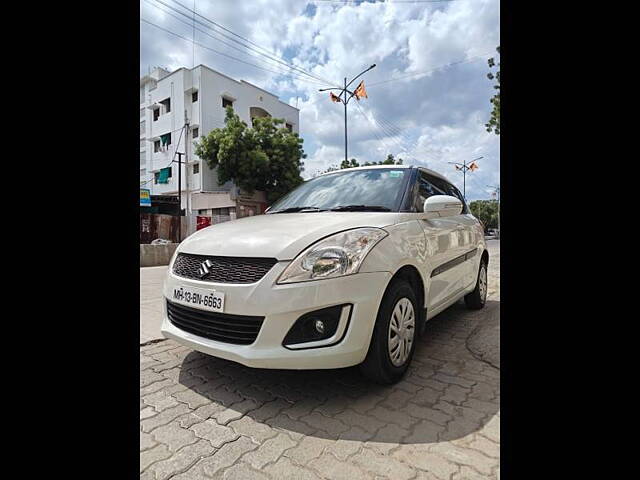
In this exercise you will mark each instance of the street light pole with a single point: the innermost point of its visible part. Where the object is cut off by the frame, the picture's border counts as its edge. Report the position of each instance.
(496, 190)
(345, 121)
(464, 166)
(344, 90)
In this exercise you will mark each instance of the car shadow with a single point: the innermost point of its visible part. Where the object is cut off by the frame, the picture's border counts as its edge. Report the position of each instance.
(451, 389)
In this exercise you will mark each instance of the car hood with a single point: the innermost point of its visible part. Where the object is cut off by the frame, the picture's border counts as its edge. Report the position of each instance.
(281, 235)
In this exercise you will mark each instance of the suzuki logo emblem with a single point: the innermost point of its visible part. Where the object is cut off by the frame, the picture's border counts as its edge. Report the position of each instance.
(204, 268)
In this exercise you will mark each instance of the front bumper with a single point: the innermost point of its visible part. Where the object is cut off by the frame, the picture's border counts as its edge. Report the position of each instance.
(282, 305)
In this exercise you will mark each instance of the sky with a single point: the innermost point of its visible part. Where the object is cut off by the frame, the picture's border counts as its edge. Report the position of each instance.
(428, 94)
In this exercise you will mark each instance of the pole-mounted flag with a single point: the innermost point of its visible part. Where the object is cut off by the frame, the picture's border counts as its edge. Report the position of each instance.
(334, 98)
(360, 91)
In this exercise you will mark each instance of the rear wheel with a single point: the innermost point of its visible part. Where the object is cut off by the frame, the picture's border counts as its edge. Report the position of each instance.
(476, 299)
(393, 340)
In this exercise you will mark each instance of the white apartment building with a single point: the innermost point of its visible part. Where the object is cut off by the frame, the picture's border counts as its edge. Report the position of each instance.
(198, 96)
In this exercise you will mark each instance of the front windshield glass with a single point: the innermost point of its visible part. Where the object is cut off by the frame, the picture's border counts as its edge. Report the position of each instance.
(374, 187)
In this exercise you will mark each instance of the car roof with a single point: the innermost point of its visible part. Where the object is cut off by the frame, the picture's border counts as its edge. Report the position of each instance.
(394, 167)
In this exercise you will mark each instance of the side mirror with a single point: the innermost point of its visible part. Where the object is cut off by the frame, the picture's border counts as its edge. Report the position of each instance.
(439, 206)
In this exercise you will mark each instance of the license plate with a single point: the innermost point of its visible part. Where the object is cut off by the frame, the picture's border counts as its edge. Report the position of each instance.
(199, 297)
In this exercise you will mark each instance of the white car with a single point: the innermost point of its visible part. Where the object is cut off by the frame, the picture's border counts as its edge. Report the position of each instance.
(344, 270)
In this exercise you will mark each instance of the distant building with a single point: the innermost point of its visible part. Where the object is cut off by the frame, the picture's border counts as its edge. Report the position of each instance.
(199, 96)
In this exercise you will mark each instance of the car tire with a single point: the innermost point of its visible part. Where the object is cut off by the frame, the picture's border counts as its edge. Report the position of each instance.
(477, 299)
(384, 363)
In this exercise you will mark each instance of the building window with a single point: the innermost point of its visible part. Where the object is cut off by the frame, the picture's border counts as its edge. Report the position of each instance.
(196, 168)
(143, 158)
(143, 172)
(164, 142)
(166, 104)
(156, 114)
(156, 175)
(202, 211)
(226, 103)
(289, 127)
(194, 97)
(195, 132)
(143, 127)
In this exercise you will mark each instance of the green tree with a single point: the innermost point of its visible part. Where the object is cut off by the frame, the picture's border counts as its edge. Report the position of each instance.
(266, 157)
(349, 163)
(390, 160)
(494, 121)
(486, 211)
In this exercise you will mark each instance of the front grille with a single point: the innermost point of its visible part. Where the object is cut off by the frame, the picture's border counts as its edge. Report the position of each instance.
(223, 269)
(222, 327)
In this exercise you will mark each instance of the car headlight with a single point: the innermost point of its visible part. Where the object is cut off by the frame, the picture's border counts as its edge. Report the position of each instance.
(335, 256)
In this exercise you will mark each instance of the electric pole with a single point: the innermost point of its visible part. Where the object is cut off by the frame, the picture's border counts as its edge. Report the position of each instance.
(496, 191)
(345, 101)
(179, 154)
(464, 166)
(187, 143)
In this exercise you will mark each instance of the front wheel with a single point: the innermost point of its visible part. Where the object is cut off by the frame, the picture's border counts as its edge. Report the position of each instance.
(476, 299)
(393, 340)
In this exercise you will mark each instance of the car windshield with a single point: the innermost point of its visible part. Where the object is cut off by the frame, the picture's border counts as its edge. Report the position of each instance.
(373, 189)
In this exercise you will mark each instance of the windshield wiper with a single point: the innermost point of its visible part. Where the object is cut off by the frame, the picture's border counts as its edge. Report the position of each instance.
(298, 209)
(360, 208)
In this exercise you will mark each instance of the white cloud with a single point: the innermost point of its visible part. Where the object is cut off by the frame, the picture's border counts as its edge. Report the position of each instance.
(431, 118)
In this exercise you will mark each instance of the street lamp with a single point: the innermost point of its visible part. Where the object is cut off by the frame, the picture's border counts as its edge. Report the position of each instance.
(464, 166)
(345, 101)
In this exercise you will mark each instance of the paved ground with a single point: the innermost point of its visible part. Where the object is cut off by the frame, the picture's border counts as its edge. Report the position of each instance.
(151, 280)
(202, 417)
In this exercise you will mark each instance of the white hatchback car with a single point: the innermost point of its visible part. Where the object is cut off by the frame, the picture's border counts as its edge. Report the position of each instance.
(344, 270)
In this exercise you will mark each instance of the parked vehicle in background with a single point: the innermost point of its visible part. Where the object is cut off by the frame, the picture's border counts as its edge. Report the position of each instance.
(344, 270)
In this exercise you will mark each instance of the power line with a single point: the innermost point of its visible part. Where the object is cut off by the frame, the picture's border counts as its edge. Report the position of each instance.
(213, 50)
(268, 54)
(468, 60)
(385, 1)
(375, 126)
(283, 72)
(392, 134)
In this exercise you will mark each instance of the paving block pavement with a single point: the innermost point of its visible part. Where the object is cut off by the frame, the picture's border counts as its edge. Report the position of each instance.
(207, 418)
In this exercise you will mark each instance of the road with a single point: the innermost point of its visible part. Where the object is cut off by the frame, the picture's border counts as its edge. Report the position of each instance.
(202, 417)
(151, 280)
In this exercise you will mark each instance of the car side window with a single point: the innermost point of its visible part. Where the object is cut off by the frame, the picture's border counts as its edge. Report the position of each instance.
(457, 193)
(426, 188)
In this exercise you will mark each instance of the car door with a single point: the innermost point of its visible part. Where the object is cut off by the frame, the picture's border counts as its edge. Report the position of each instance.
(443, 246)
(467, 234)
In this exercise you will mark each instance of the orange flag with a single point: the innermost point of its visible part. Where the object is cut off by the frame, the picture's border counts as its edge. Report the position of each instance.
(360, 91)
(473, 166)
(333, 97)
